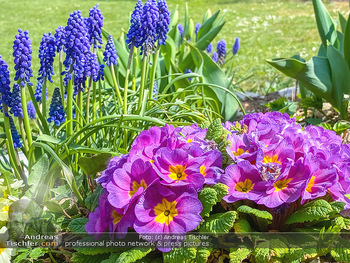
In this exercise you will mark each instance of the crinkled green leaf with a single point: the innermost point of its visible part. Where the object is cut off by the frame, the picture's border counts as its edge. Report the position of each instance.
(208, 197)
(312, 211)
(221, 191)
(37, 252)
(179, 255)
(202, 255)
(262, 252)
(341, 252)
(215, 131)
(237, 255)
(218, 223)
(82, 258)
(133, 255)
(242, 226)
(112, 259)
(343, 223)
(78, 225)
(258, 213)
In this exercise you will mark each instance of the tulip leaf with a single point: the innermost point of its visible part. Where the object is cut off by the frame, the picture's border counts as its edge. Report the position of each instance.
(39, 171)
(218, 223)
(311, 211)
(342, 22)
(208, 197)
(347, 42)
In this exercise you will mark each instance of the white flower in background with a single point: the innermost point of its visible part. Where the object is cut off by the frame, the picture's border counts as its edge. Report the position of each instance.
(5, 252)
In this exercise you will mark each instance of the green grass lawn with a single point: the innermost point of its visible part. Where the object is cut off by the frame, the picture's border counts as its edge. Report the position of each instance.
(267, 29)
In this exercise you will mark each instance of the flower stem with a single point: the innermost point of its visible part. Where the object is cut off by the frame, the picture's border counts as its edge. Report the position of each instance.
(23, 135)
(153, 73)
(70, 108)
(142, 85)
(126, 84)
(116, 86)
(26, 118)
(61, 76)
(94, 105)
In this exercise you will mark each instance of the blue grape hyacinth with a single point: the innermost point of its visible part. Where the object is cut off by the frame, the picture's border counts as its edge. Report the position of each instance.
(16, 104)
(60, 38)
(95, 24)
(15, 137)
(215, 57)
(163, 22)
(31, 110)
(134, 34)
(210, 48)
(47, 52)
(110, 54)
(5, 89)
(198, 26)
(221, 50)
(38, 91)
(22, 53)
(94, 67)
(56, 113)
(188, 71)
(181, 30)
(236, 46)
(155, 90)
(149, 23)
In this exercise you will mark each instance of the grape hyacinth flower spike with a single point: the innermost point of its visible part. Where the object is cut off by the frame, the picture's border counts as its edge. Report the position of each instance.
(22, 50)
(155, 90)
(215, 57)
(181, 30)
(188, 71)
(110, 54)
(38, 91)
(149, 24)
(60, 36)
(133, 37)
(236, 46)
(94, 24)
(5, 89)
(16, 104)
(221, 50)
(210, 48)
(56, 113)
(163, 22)
(31, 110)
(15, 137)
(198, 26)
(47, 52)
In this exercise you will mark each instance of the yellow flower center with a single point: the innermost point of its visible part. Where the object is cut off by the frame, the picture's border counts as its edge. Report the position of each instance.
(165, 212)
(117, 217)
(239, 152)
(5, 209)
(151, 161)
(281, 184)
(273, 159)
(177, 172)
(136, 186)
(310, 184)
(2, 247)
(189, 140)
(202, 170)
(245, 186)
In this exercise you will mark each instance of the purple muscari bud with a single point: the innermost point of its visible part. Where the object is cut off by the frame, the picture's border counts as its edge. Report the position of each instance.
(60, 38)
(110, 53)
(155, 90)
(149, 23)
(210, 48)
(221, 49)
(38, 91)
(15, 137)
(134, 33)
(16, 105)
(236, 46)
(77, 48)
(22, 50)
(56, 112)
(163, 22)
(5, 89)
(31, 110)
(46, 55)
(181, 30)
(188, 71)
(95, 23)
(101, 72)
(215, 57)
(198, 26)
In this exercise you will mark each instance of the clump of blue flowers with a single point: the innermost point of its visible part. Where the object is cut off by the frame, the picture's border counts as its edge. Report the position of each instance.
(60, 38)
(134, 34)
(15, 137)
(236, 46)
(215, 57)
(22, 53)
(95, 24)
(16, 105)
(110, 54)
(163, 23)
(38, 91)
(47, 52)
(210, 48)
(56, 113)
(198, 26)
(221, 50)
(5, 89)
(180, 27)
(31, 110)
(149, 25)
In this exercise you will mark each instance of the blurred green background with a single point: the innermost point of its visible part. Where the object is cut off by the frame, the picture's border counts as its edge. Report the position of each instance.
(267, 29)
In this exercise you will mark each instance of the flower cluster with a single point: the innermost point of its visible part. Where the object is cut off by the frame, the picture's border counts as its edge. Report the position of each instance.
(236, 46)
(5, 89)
(94, 25)
(56, 113)
(163, 22)
(60, 38)
(15, 137)
(221, 50)
(180, 27)
(31, 110)
(153, 189)
(16, 104)
(47, 52)
(134, 34)
(39, 90)
(110, 53)
(209, 48)
(22, 50)
(276, 162)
